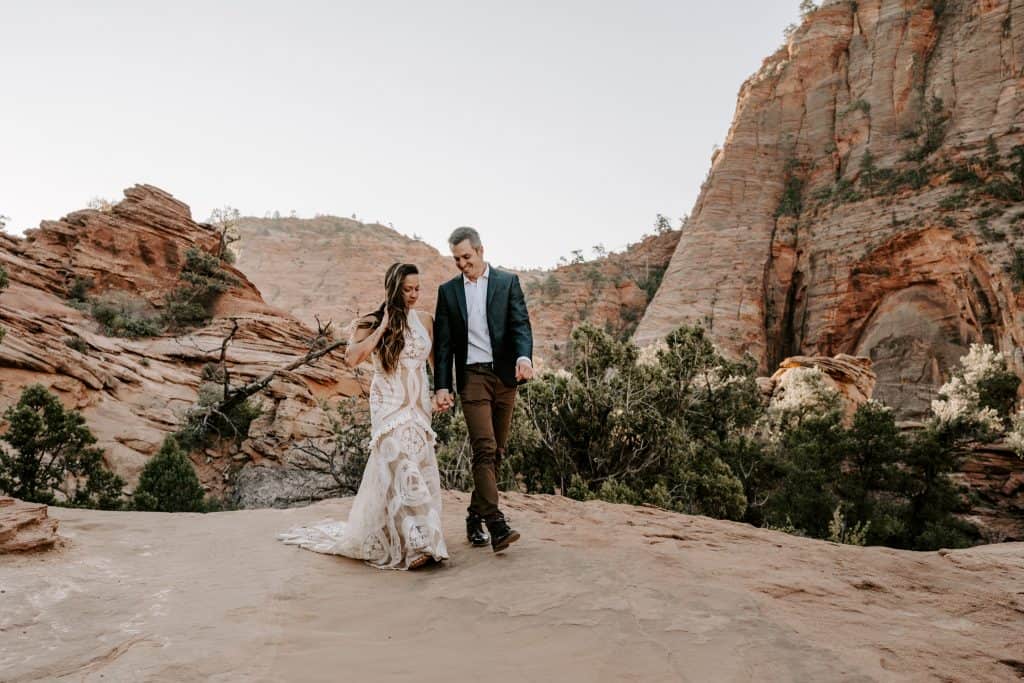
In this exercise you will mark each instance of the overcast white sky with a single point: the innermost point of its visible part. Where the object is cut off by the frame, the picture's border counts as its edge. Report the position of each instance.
(550, 126)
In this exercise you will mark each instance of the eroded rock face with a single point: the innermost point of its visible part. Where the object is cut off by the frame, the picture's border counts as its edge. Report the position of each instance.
(25, 526)
(994, 474)
(334, 267)
(827, 226)
(850, 377)
(133, 392)
(611, 292)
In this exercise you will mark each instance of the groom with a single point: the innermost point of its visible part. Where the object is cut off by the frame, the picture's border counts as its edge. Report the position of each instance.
(482, 324)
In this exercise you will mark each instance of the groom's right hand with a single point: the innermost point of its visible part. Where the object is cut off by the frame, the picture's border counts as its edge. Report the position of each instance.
(443, 399)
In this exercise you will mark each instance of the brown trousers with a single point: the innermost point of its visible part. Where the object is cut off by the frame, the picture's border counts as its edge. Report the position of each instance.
(487, 404)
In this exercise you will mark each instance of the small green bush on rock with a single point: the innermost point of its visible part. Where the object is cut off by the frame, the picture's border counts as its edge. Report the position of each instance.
(168, 482)
(53, 458)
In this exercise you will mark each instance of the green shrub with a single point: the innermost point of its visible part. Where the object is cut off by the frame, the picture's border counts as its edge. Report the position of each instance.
(652, 281)
(636, 429)
(1016, 268)
(858, 105)
(965, 175)
(206, 423)
(998, 390)
(1017, 164)
(121, 315)
(203, 280)
(551, 287)
(168, 482)
(931, 130)
(79, 289)
(77, 343)
(954, 201)
(5, 282)
(930, 495)
(791, 201)
(53, 458)
(868, 171)
(1004, 190)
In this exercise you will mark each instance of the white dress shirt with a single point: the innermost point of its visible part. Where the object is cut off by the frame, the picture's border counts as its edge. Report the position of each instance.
(479, 350)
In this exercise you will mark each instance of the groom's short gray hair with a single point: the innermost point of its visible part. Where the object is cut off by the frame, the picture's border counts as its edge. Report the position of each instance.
(465, 233)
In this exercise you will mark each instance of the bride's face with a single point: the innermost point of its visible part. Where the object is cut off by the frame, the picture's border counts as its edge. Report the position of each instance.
(411, 290)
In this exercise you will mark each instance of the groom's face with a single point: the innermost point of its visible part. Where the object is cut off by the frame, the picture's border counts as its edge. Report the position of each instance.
(469, 259)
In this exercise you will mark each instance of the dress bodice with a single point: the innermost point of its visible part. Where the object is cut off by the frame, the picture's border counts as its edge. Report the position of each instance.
(417, 345)
(403, 394)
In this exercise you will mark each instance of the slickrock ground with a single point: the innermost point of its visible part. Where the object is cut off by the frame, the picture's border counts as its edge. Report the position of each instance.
(593, 592)
(902, 260)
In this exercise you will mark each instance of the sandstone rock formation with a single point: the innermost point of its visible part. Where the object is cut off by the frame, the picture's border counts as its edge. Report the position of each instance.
(864, 201)
(333, 267)
(851, 377)
(611, 292)
(594, 592)
(25, 526)
(994, 475)
(133, 392)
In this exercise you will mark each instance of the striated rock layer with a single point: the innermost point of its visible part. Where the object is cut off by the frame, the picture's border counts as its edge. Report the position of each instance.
(855, 208)
(593, 592)
(332, 267)
(25, 526)
(133, 392)
(611, 292)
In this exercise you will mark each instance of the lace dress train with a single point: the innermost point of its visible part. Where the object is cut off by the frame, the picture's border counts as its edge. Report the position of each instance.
(396, 515)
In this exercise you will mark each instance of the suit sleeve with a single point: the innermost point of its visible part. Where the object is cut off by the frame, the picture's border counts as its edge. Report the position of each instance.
(519, 321)
(442, 345)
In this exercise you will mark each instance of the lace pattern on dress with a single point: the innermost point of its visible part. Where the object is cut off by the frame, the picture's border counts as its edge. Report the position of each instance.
(396, 514)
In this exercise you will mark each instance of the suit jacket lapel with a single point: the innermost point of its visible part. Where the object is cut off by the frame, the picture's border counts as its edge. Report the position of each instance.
(492, 289)
(460, 295)
(492, 284)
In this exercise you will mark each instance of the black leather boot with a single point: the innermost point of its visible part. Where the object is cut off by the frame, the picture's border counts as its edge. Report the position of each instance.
(475, 533)
(502, 535)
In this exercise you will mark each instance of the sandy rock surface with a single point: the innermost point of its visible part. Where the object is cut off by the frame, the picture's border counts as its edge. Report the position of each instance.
(593, 592)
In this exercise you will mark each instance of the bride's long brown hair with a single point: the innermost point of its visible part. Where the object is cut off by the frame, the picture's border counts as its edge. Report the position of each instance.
(391, 343)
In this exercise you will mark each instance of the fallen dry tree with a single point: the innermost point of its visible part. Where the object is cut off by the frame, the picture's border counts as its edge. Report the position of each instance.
(225, 411)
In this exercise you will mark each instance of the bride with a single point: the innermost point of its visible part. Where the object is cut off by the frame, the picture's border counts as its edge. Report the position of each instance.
(395, 522)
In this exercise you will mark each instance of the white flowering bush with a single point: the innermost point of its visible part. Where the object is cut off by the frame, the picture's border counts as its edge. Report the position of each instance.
(648, 355)
(801, 392)
(977, 394)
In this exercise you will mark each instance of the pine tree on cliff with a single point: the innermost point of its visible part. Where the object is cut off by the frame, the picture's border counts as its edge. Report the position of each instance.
(53, 458)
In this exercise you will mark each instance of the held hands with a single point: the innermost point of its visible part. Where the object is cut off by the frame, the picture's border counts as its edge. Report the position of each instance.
(443, 400)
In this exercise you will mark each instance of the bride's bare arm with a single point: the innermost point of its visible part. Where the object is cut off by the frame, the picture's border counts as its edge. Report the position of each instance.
(364, 340)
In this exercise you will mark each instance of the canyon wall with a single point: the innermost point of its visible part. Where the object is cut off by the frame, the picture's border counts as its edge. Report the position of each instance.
(867, 199)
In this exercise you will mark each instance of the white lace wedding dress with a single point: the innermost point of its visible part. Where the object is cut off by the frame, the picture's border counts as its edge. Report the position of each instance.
(396, 515)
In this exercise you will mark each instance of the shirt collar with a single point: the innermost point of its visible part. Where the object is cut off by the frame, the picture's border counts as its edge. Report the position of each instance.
(482, 278)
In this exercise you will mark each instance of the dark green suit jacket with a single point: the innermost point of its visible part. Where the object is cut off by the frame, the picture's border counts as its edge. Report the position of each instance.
(508, 323)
